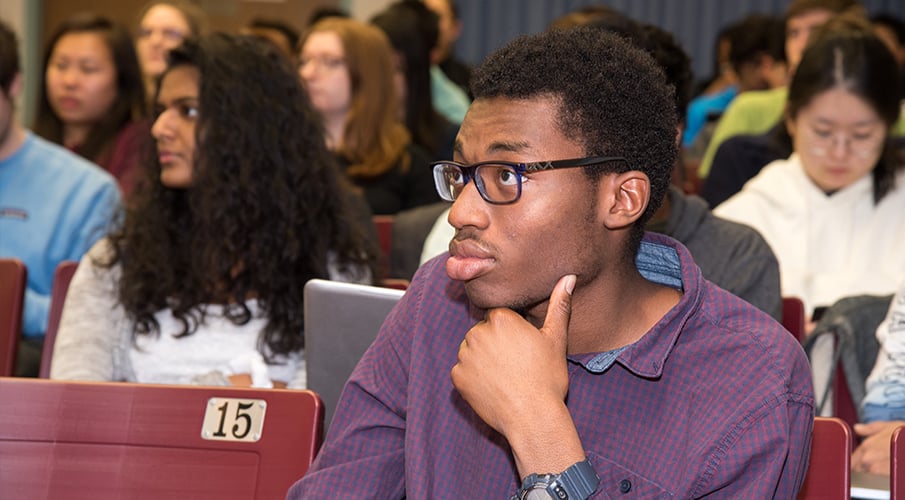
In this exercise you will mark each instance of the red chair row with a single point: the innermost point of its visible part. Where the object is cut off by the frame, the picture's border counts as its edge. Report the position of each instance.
(89, 440)
(13, 281)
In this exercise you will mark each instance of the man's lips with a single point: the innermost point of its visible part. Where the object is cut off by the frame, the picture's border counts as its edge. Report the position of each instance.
(468, 260)
(468, 248)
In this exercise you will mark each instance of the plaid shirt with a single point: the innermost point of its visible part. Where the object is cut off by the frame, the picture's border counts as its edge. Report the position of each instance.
(716, 400)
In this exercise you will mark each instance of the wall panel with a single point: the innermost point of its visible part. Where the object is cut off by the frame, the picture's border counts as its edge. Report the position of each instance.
(695, 23)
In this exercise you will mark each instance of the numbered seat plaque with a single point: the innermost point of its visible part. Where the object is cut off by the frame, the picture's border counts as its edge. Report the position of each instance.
(231, 419)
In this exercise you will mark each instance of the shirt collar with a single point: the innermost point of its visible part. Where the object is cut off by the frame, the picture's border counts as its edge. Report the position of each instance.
(662, 260)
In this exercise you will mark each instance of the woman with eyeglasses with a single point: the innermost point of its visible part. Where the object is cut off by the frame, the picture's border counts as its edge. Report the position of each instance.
(834, 211)
(347, 68)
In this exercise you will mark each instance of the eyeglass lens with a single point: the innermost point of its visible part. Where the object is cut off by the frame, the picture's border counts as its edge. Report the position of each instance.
(495, 183)
(822, 144)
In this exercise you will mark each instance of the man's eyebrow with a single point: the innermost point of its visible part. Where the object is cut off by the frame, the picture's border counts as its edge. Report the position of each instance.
(495, 147)
(508, 147)
(457, 148)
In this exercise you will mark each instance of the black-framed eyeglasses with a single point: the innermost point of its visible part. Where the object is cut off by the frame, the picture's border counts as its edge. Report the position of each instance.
(499, 182)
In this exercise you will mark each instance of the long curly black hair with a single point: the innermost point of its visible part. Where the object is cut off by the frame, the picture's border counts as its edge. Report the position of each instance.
(267, 210)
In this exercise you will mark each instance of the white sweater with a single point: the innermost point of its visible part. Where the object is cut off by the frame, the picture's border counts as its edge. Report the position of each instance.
(94, 341)
(828, 247)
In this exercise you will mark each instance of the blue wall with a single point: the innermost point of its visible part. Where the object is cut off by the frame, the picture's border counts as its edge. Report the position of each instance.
(490, 23)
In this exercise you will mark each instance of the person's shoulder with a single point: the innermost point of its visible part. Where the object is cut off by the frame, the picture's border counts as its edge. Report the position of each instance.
(135, 131)
(744, 155)
(62, 165)
(753, 112)
(100, 265)
(745, 326)
(773, 182)
(431, 276)
(718, 100)
(738, 237)
(756, 99)
(433, 304)
(101, 251)
(745, 143)
(433, 286)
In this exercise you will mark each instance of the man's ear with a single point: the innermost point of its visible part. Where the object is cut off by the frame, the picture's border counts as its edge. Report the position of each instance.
(623, 198)
(15, 86)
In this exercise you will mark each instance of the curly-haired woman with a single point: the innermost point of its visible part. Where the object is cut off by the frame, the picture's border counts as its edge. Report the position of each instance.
(203, 283)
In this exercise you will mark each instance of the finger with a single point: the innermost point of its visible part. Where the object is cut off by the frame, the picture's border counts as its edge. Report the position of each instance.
(857, 459)
(867, 429)
(556, 323)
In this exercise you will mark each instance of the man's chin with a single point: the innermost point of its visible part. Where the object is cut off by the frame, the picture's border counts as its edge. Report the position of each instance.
(483, 297)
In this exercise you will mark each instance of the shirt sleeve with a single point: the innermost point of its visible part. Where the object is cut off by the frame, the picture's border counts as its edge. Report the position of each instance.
(88, 222)
(766, 455)
(364, 453)
(885, 399)
(87, 341)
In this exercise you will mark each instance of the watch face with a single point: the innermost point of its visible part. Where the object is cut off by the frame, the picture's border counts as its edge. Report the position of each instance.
(538, 492)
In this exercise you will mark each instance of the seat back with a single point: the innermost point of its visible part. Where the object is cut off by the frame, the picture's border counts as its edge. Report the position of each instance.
(13, 277)
(793, 316)
(384, 226)
(90, 440)
(61, 278)
(829, 468)
(897, 464)
(410, 230)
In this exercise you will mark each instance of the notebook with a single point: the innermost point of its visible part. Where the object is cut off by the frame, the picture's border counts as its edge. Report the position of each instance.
(869, 486)
(341, 321)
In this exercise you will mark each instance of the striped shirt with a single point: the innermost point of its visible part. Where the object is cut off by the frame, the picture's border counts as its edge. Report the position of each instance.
(715, 399)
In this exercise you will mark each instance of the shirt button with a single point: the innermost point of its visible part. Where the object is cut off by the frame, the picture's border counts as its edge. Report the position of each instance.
(625, 486)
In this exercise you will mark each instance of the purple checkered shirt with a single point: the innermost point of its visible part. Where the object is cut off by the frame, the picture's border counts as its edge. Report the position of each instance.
(714, 401)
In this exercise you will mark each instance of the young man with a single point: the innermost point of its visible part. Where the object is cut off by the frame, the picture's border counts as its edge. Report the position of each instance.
(53, 205)
(557, 349)
(733, 256)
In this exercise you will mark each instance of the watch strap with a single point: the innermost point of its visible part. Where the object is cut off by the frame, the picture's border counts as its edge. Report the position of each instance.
(575, 483)
(578, 481)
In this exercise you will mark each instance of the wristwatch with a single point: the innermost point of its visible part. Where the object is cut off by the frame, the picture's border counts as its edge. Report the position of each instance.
(575, 483)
